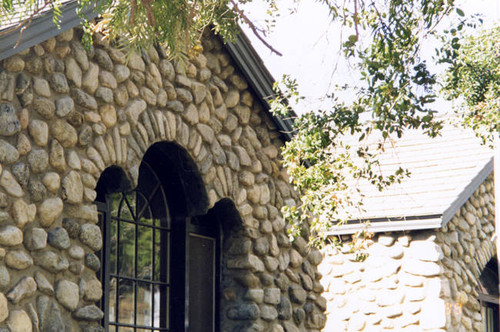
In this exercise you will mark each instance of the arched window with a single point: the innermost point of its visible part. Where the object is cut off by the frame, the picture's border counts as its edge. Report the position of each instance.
(160, 256)
(136, 227)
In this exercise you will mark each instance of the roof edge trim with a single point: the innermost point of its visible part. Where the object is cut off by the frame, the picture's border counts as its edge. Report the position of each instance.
(387, 226)
(42, 28)
(260, 79)
(464, 196)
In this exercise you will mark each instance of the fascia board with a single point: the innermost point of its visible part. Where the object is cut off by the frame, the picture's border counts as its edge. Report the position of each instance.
(42, 28)
(468, 191)
(386, 226)
(259, 78)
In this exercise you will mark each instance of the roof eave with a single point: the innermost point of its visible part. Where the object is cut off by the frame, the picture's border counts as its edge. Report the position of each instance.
(42, 28)
(423, 222)
(258, 77)
(468, 191)
(386, 226)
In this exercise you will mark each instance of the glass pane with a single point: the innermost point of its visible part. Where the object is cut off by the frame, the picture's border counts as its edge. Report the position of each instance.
(161, 305)
(160, 258)
(112, 328)
(112, 300)
(126, 302)
(114, 203)
(144, 304)
(143, 330)
(201, 283)
(127, 249)
(112, 246)
(127, 206)
(126, 329)
(143, 209)
(144, 252)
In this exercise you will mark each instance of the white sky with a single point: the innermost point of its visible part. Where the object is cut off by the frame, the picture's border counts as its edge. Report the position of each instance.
(310, 45)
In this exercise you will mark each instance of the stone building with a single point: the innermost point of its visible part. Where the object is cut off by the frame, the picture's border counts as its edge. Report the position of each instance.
(138, 194)
(431, 263)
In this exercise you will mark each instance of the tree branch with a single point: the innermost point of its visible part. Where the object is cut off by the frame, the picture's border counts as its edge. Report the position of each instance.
(255, 30)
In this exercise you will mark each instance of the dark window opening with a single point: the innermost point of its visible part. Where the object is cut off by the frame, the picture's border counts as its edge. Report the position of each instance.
(488, 296)
(159, 266)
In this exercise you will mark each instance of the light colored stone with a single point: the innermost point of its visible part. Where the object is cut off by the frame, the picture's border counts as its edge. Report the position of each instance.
(49, 211)
(23, 213)
(108, 115)
(68, 294)
(4, 309)
(433, 314)
(64, 133)
(19, 321)
(35, 239)
(10, 236)
(134, 110)
(425, 251)
(73, 72)
(52, 181)
(72, 188)
(26, 287)
(41, 87)
(90, 235)
(39, 131)
(91, 78)
(18, 259)
(9, 183)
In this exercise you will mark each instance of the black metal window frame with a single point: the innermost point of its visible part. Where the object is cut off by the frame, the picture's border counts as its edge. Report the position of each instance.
(180, 229)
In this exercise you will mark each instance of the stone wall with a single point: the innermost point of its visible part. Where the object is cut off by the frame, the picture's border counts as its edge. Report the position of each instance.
(67, 113)
(418, 281)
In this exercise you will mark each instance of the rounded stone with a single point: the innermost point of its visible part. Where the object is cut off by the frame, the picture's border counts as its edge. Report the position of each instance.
(19, 321)
(39, 131)
(45, 107)
(93, 291)
(64, 106)
(58, 238)
(41, 87)
(35, 239)
(52, 181)
(8, 153)
(26, 287)
(18, 259)
(49, 211)
(14, 64)
(121, 73)
(108, 115)
(64, 133)
(72, 227)
(4, 277)
(90, 235)
(38, 160)
(10, 236)
(4, 309)
(92, 262)
(72, 188)
(68, 294)
(37, 190)
(9, 123)
(90, 313)
(58, 83)
(76, 252)
(51, 261)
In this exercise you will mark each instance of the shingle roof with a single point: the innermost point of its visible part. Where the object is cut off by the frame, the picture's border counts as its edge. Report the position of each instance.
(445, 171)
